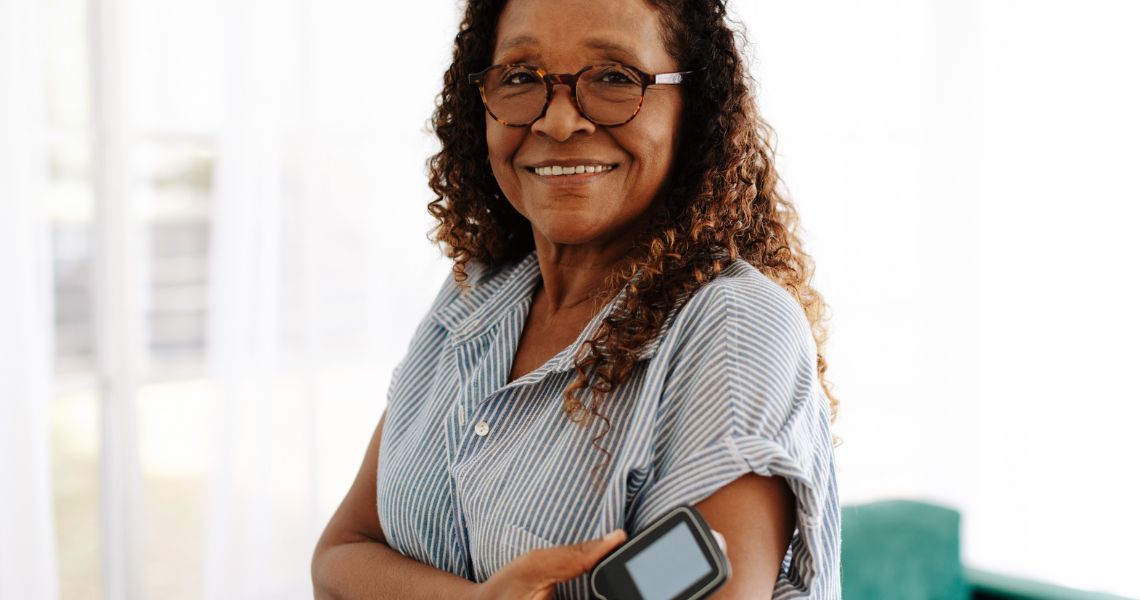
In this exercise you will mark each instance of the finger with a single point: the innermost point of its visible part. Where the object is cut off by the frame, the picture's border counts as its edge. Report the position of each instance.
(567, 562)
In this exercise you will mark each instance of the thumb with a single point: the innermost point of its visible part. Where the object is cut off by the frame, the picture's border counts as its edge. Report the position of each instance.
(568, 562)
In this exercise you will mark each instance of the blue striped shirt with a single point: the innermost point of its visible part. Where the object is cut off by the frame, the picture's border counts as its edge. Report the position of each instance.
(474, 471)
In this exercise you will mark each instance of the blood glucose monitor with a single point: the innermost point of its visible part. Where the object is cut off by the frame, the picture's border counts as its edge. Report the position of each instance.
(677, 557)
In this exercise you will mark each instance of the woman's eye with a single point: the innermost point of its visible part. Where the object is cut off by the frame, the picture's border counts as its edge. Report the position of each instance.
(616, 77)
(519, 78)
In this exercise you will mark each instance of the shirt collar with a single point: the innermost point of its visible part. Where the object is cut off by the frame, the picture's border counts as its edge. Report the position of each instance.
(491, 295)
(494, 294)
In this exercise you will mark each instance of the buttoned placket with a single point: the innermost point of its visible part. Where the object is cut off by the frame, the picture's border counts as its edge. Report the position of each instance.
(482, 386)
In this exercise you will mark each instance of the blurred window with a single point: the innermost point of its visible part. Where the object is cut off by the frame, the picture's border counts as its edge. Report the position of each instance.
(173, 157)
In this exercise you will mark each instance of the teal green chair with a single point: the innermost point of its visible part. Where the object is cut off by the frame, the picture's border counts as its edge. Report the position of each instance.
(909, 550)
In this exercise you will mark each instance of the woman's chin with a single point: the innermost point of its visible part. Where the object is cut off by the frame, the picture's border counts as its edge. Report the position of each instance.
(569, 234)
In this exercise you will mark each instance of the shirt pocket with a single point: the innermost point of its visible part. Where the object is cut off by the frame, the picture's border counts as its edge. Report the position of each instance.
(518, 540)
(493, 548)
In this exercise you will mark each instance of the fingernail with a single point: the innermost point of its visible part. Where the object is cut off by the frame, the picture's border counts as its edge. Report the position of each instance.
(613, 535)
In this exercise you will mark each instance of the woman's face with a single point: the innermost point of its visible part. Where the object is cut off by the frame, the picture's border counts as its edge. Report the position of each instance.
(562, 37)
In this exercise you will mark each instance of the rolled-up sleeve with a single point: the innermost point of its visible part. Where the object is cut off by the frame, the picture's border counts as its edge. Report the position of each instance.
(742, 395)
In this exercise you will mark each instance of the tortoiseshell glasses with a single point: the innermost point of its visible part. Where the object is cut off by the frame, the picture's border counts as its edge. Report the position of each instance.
(608, 94)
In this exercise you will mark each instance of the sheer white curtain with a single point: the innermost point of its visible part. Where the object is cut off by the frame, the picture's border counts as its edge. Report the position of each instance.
(27, 531)
(319, 265)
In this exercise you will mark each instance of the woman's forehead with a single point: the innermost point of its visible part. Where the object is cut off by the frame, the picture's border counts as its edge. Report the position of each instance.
(624, 30)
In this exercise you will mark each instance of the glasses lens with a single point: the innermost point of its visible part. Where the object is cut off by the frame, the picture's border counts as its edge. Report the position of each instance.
(610, 94)
(514, 94)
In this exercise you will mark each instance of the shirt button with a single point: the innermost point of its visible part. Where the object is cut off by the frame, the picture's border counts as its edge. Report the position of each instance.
(482, 428)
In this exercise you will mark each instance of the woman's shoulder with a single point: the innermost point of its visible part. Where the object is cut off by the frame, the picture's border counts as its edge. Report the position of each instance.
(741, 299)
(743, 346)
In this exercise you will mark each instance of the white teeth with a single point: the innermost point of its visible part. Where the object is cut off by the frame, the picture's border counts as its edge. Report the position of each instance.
(560, 170)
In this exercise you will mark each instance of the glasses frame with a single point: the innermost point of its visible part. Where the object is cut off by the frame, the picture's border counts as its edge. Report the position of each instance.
(571, 80)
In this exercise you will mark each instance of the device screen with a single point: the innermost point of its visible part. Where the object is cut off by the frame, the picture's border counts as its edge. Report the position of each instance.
(668, 566)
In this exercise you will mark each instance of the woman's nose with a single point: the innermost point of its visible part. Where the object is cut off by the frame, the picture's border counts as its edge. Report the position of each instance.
(562, 119)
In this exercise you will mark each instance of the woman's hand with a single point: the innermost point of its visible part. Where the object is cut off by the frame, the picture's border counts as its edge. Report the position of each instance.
(534, 575)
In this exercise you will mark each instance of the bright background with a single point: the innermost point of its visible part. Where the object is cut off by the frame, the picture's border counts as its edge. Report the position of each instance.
(213, 251)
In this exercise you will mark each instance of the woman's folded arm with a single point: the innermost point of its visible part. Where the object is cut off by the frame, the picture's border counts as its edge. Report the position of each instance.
(352, 559)
(371, 569)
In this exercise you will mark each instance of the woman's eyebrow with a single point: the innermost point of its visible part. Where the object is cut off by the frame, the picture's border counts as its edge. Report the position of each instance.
(592, 43)
(604, 44)
(521, 40)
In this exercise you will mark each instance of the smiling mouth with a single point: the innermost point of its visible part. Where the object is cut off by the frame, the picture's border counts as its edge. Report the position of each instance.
(562, 171)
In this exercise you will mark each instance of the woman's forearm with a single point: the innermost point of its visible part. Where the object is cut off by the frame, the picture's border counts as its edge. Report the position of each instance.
(373, 570)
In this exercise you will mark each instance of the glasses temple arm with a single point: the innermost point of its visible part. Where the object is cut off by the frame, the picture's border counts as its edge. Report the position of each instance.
(669, 78)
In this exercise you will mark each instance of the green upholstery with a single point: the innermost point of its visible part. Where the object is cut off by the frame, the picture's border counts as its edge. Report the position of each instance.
(992, 586)
(901, 549)
(906, 549)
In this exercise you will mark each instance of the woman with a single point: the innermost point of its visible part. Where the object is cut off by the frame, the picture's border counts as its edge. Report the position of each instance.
(629, 326)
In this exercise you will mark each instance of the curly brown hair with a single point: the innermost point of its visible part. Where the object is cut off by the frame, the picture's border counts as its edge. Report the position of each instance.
(720, 202)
